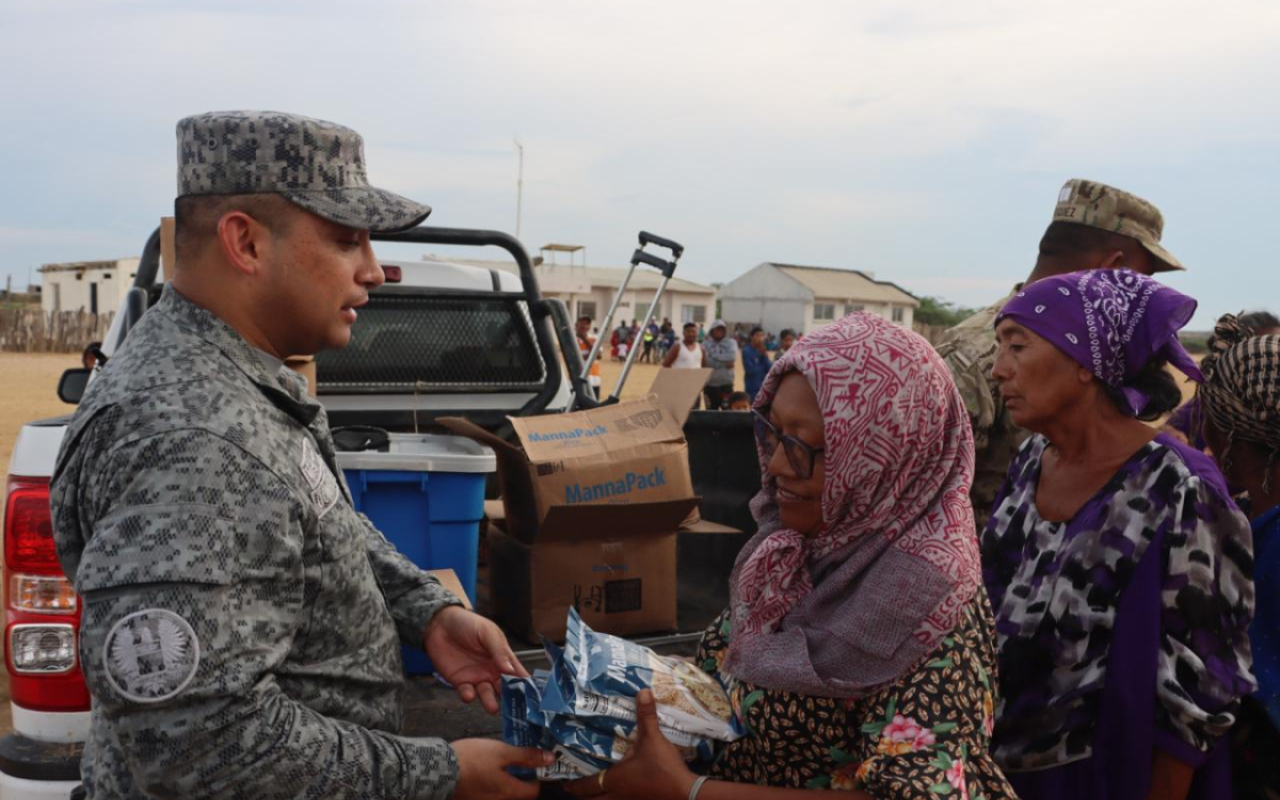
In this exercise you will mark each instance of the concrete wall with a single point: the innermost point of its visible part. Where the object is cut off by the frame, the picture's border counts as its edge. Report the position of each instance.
(634, 303)
(766, 297)
(70, 290)
(772, 315)
(844, 306)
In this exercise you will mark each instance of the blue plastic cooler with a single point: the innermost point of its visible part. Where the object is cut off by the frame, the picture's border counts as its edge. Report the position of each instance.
(426, 495)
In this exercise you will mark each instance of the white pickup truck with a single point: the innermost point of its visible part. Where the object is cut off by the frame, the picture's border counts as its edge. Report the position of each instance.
(435, 339)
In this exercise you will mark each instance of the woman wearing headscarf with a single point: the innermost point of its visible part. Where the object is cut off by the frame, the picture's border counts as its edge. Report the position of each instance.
(1117, 564)
(857, 649)
(1186, 422)
(1240, 403)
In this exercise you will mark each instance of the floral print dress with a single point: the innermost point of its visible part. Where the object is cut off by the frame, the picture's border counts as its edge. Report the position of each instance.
(926, 736)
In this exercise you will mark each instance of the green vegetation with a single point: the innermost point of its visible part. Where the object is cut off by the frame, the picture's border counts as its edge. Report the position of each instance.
(1196, 342)
(936, 311)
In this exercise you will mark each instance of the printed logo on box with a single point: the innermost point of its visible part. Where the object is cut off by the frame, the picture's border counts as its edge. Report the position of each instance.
(560, 436)
(628, 484)
(644, 419)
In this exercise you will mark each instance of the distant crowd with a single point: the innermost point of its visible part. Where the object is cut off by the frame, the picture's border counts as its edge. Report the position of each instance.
(697, 347)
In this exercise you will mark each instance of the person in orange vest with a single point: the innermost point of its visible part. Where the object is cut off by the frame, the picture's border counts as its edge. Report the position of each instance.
(585, 343)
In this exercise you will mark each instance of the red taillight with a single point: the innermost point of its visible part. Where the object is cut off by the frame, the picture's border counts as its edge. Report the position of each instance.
(392, 274)
(28, 529)
(42, 617)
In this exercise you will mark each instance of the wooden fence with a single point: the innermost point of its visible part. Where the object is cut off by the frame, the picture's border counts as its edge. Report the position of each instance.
(32, 330)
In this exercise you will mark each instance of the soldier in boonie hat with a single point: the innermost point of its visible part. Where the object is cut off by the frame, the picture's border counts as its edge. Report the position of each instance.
(1110, 209)
(1094, 226)
(315, 164)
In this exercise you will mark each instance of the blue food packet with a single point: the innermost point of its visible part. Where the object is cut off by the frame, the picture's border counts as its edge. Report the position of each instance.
(614, 717)
(522, 727)
(597, 677)
(520, 699)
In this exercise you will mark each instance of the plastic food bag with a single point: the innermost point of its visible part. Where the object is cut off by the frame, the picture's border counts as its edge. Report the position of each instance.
(521, 727)
(614, 716)
(600, 675)
(584, 709)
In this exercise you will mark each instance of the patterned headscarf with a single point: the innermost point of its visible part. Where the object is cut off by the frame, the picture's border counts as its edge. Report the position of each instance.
(857, 605)
(1109, 321)
(1241, 389)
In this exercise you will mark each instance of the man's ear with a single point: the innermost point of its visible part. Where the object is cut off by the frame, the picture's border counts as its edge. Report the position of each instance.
(1083, 375)
(1113, 260)
(245, 242)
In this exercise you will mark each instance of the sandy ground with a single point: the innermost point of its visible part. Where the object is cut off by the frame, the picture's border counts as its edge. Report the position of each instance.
(640, 378)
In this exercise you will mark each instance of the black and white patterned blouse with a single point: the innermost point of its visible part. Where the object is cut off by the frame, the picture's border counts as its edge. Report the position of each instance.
(1056, 586)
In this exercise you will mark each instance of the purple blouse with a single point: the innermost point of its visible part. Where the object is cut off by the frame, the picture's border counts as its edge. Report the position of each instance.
(1109, 647)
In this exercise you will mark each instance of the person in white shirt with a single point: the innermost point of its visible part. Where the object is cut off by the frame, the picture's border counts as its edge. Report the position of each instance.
(688, 353)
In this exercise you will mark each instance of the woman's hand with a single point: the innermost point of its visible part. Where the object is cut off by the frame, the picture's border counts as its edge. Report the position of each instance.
(652, 770)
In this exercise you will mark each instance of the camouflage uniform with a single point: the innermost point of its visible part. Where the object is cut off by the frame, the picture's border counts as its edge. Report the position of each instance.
(969, 351)
(242, 624)
(313, 163)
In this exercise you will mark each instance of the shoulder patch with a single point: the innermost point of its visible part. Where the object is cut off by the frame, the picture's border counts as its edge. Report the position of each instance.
(151, 655)
(321, 484)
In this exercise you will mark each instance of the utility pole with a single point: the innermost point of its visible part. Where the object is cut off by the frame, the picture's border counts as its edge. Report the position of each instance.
(519, 186)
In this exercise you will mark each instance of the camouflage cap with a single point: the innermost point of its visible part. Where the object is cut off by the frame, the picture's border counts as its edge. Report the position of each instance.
(316, 164)
(1108, 208)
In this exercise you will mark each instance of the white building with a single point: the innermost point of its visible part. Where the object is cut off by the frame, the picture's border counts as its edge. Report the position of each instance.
(589, 291)
(92, 286)
(779, 296)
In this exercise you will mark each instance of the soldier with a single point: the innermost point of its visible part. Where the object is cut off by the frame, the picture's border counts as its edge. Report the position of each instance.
(1094, 226)
(242, 624)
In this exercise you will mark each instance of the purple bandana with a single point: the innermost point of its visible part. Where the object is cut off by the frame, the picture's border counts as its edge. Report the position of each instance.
(1111, 322)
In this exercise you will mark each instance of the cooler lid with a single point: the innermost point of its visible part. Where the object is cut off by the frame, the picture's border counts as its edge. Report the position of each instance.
(426, 452)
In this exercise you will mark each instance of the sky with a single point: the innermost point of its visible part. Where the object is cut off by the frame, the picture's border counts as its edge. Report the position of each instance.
(922, 140)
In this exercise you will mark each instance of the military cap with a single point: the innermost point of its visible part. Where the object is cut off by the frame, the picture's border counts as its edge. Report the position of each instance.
(1108, 208)
(315, 164)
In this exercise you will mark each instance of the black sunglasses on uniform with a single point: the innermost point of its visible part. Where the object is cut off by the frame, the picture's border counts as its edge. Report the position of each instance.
(802, 457)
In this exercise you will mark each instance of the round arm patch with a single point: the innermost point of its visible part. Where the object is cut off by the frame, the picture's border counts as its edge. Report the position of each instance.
(151, 655)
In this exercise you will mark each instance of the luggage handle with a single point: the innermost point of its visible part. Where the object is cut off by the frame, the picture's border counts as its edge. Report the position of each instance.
(675, 247)
(667, 268)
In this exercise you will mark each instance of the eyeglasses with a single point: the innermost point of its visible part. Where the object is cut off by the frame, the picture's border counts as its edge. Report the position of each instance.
(802, 457)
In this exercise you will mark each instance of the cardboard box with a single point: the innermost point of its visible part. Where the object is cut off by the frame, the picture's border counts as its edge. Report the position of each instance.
(630, 452)
(449, 580)
(592, 502)
(615, 564)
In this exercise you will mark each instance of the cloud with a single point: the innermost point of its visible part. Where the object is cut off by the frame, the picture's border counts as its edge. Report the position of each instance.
(24, 236)
(906, 137)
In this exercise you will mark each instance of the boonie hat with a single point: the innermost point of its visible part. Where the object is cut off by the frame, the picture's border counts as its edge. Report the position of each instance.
(315, 164)
(1100, 206)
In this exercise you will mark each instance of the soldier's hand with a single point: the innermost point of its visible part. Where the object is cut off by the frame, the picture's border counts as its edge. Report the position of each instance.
(471, 653)
(482, 769)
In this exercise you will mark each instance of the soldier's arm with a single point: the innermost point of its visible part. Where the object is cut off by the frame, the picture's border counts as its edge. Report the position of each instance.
(193, 592)
(970, 365)
(413, 596)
